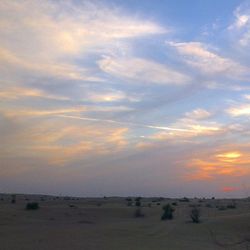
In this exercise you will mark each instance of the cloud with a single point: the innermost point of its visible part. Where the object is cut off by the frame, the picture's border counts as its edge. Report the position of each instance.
(142, 71)
(194, 127)
(125, 123)
(241, 110)
(240, 28)
(17, 92)
(198, 114)
(218, 162)
(229, 156)
(197, 55)
(57, 141)
(111, 96)
(35, 37)
(229, 189)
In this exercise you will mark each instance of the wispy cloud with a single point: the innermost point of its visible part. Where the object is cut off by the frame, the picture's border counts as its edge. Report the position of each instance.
(126, 123)
(241, 25)
(142, 71)
(49, 43)
(197, 55)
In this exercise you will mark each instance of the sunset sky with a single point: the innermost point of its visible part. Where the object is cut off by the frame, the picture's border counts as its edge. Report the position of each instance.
(125, 97)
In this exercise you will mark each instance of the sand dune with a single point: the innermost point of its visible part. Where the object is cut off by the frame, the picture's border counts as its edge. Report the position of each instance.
(107, 224)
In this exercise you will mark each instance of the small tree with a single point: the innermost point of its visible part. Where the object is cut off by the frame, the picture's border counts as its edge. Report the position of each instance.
(168, 212)
(195, 215)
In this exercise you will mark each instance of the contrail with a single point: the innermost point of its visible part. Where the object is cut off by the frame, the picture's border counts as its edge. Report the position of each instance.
(125, 123)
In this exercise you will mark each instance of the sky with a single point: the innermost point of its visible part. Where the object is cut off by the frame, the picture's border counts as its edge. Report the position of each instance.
(123, 98)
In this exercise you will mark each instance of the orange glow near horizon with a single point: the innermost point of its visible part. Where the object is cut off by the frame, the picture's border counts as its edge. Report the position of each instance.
(229, 156)
(228, 189)
(230, 163)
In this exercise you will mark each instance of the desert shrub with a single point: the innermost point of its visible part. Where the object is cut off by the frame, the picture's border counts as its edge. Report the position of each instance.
(138, 203)
(129, 203)
(195, 215)
(128, 199)
(158, 203)
(174, 203)
(138, 213)
(13, 198)
(72, 206)
(32, 206)
(168, 212)
(222, 208)
(185, 199)
(138, 199)
(231, 206)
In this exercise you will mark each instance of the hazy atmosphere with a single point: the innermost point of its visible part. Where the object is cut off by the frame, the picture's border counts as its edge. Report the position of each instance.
(119, 98)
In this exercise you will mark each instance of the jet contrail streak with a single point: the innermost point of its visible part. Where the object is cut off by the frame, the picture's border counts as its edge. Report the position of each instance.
(125, 123)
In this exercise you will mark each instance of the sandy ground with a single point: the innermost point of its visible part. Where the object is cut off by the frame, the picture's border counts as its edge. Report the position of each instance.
(108, 224)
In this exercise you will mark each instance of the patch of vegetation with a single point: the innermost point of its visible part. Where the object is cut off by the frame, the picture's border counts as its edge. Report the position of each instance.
(138, 199)
(221, 208)
(72, 206)
(184, 199)
(138, 203)
(168, 212)
(129, 203)
(138, 213)
(13, 198)
(195, 215)
(231, 206)
(32, 206)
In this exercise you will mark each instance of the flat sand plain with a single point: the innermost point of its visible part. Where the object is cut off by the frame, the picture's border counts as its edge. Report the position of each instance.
(109, 224)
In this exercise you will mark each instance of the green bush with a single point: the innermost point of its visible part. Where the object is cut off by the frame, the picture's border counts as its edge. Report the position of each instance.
(13, 198)
(231, 206)
(168, 212)
(32, 206)
(138, 203)
(195, 215)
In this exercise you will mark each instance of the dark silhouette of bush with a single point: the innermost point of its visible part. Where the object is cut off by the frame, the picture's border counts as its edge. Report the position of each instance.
(231, 206)
(168, 212)
(174, 203)
(32, 206)
(138, 213)
(222, 208)
(184, 199)
(195, 215)
(138, 203)
(13, 198)
(129, 203)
